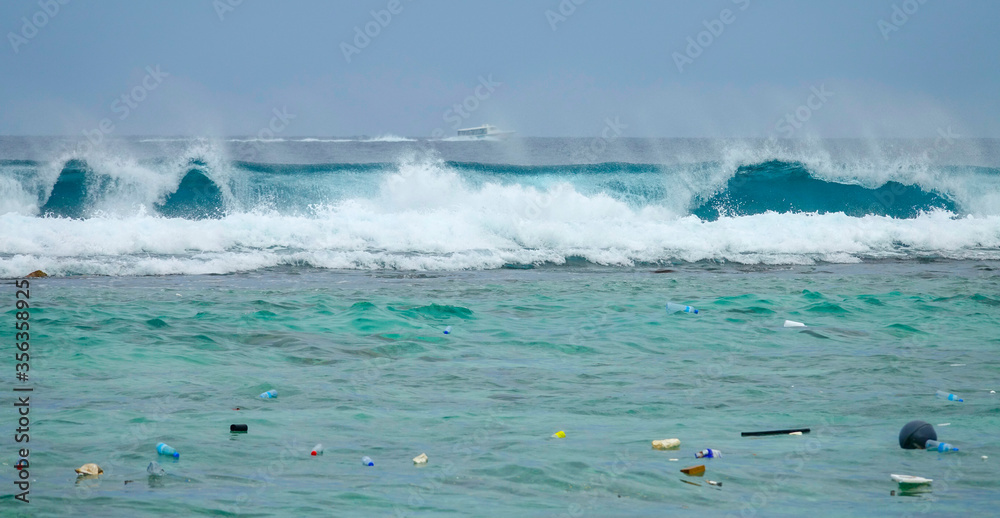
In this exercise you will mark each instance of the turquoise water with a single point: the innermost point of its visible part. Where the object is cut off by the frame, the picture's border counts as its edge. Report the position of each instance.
(362, 366)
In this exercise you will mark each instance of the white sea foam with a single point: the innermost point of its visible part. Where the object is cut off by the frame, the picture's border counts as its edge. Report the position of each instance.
(423, 215)
(388, 137)
(427, 218)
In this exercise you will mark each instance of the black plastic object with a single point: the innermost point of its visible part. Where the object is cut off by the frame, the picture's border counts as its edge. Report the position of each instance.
(915, 434)
(238, 428)
(774, 432)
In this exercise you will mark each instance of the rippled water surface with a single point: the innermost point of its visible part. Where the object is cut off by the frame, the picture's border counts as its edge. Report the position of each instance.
(362, 365)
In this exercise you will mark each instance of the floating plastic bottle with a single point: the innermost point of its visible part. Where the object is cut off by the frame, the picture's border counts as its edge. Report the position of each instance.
(447, 330)
(154, 469)
(940, 446)
(317, 450)
(674, 308)
(367, 461)
(950, 397)
(166, 449)
(269, 394)
(708, 453)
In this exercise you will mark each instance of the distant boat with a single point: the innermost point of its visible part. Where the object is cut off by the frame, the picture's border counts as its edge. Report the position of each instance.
(484, 131)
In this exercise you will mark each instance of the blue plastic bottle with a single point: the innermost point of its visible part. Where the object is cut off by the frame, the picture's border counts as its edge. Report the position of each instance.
(939, 446)
(166, 449)
(673, 307)
(269, 394)
(950, 397)
(367, 461)
(708, 453)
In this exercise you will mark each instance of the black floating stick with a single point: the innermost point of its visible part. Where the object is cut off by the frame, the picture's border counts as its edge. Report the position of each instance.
(774, 432)
(238, 428)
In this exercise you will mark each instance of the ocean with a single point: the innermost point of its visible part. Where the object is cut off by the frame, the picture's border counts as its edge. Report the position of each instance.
(187, 276)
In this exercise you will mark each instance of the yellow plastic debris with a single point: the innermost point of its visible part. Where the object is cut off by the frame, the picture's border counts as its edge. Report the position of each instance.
(560, 434)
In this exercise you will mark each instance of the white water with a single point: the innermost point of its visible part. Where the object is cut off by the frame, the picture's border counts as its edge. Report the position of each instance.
(425, 216)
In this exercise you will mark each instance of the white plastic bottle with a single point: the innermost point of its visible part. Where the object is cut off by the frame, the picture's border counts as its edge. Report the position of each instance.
(673, 307)
(939, 446)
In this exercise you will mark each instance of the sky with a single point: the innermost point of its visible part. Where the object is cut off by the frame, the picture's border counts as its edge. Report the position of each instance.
(549, 68)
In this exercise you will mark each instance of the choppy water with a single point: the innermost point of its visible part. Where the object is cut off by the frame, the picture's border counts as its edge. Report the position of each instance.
(363, 367)
(190, 206)
(190, 275)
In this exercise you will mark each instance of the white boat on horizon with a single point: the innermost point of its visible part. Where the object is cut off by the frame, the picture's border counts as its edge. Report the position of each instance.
(484, 131)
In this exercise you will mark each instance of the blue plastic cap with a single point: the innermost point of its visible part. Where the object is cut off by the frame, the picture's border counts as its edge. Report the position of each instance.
(696, 312)
(177, 455)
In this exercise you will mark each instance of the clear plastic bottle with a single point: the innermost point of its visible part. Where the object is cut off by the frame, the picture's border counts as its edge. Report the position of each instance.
(269, 394)
(939, 446)
(166, 449)
(950, 397)
(673, 307)
(708, 453)
(367, 461)
(317, 450)
(447, 330)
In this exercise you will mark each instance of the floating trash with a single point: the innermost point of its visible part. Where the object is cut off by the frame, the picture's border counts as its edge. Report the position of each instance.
(166, 449)
(420, 459)
(666, 444)
(559, 435)
(90, 469)
(708, 453)
(673, 307)
(950, 397)
(789, 431)
(694, 471)
(910, 479)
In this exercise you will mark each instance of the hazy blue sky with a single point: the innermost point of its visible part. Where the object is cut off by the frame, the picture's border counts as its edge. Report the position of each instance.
(225, 69)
